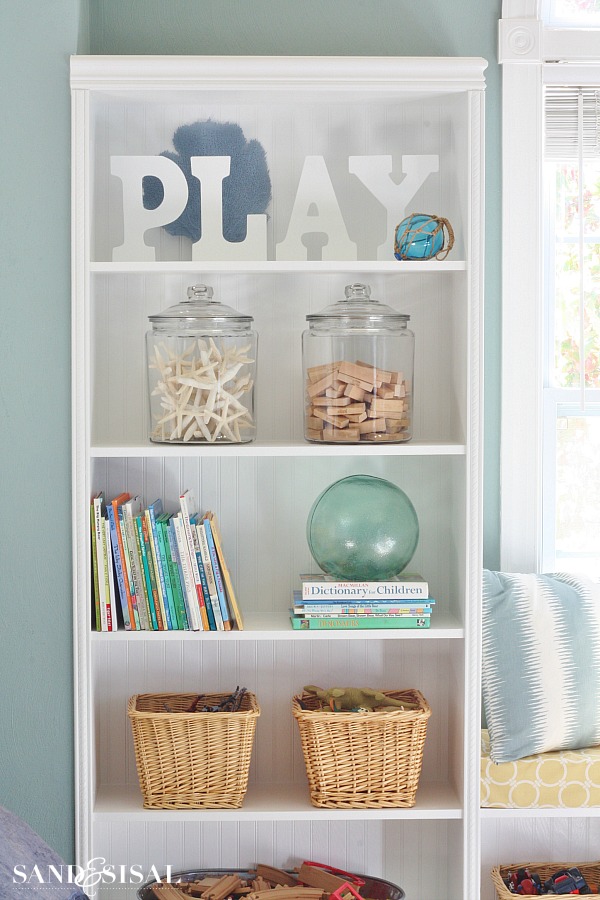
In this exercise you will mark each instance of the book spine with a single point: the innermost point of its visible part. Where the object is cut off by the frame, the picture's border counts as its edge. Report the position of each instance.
(131, 597)
(95, 580)
(190, 588)
(212, 624)
(111, 594)
(217, 576)
(176, 576)
(101, 558)
(378, 611)
(187, 527)
(234, 610)
(158, 570)
(354, 623)
(385, 604)
(137, 572)
(139, 537)
(367, 591)
(211, 585)
(163, 551)
(157, 595)
(118, 561)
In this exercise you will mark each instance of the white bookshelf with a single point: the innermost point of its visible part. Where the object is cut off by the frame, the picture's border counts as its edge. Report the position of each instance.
(262, 492)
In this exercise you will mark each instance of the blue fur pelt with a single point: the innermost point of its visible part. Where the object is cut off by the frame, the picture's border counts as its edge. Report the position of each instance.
(246, 191)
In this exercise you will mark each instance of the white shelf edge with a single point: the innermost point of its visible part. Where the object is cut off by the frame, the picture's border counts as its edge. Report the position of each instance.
(288, 802)
(554, 812)
(398, 267)
(278, 448)
(265, 627)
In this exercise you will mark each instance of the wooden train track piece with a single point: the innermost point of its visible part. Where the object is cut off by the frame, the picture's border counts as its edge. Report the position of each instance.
(164, 890)
(319, 878)
(275, 876)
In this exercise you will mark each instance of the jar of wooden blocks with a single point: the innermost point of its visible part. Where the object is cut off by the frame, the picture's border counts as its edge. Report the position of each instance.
(358, 359)
(201, 359)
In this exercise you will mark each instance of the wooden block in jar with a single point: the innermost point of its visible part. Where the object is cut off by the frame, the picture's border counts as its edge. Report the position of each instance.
(355, 408)
(395, 425)
(317, 373)
(382, 436)
(341, 434)
(314, 434)
(384, 407)
(318, 387)
(314, 422)
(337, 421)
(353, 392)
(379, 374)
(396, 378)
(364, 373)
(351, 379)
(355, 418)
(331, 401)
(372, 425)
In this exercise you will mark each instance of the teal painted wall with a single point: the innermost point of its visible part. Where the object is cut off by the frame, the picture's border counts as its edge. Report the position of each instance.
(36, 755)
(36, 719)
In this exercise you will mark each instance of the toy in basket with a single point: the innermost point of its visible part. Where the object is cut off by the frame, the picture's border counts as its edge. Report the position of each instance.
(364, 757)
(546, 879)
(193, 751)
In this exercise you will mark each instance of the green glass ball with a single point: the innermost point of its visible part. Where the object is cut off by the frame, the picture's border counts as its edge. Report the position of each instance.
(362, 528)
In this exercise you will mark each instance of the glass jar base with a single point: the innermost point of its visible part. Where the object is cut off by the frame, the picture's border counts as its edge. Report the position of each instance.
(201, 442)
(383, 437)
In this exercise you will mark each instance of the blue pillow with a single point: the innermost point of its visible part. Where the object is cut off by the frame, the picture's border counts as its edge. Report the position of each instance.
(541, 663)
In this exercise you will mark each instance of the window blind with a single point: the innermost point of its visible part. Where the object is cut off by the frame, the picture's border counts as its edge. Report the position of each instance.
(571, 112)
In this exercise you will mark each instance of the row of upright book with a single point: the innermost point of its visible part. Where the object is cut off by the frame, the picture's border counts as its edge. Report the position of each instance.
(155, 571)
(325, 603)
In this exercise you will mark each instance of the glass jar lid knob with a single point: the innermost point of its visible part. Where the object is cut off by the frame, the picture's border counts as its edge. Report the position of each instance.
(200, 292)
(357, 291)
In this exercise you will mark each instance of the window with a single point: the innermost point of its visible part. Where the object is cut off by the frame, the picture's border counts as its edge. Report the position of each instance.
(571, 407)
(572, 13)
(550, 452)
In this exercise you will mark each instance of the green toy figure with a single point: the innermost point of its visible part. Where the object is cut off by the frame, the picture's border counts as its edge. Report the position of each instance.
(350, 698)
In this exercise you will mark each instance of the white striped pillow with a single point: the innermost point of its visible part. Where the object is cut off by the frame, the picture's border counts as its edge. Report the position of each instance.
(541, 663)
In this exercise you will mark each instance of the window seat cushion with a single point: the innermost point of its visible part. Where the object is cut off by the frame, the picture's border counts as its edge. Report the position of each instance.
(561, 778)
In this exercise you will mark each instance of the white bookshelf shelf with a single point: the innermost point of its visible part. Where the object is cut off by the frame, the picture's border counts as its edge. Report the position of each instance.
(278, 448)
(276, 627)
(282, 802)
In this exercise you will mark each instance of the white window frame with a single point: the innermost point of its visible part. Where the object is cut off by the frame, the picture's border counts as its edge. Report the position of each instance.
(529, 52)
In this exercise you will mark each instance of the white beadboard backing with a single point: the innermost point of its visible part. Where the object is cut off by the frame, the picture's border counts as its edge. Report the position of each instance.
(263, 504)
(274, 671)
(290, 129)
(279, 305)
(402, 853)
(536, 837)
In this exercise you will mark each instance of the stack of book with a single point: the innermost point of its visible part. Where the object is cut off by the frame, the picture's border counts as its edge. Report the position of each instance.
(155, 571)
(323, 602)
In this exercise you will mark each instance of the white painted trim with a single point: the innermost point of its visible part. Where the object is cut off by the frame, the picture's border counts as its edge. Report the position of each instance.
(520, 473)
(122, 73)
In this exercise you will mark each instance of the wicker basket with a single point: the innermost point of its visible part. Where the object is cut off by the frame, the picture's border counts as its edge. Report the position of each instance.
(590, 871)
(358, 760)
(192, 760)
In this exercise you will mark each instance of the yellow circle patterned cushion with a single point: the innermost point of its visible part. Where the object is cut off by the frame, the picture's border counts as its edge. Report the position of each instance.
(561, 778)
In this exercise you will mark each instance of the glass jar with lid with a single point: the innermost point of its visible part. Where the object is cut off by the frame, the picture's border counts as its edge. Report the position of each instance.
(201, 358)
(358, 361)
